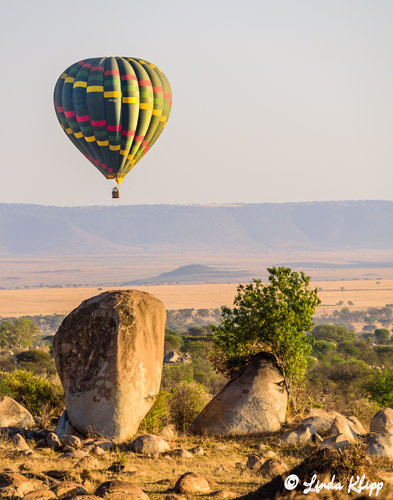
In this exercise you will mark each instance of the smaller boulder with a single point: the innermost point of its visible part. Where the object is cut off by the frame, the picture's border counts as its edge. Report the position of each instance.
(341, 425)
(224, 494)
(321, 420)
(197, 450)
(380, 445)
(52, 441)
(171, 357)
(40, 495)
(192, 483)
(65, 428)
(300, 436)
(336, 442)
(181, 453)
(253, 460)
(68, 488)
(382, 422)
(149, 444)
(116, 486)
(74, 454)
(357, 426)
(19, 442)
(71, 441)
(272, 467)
(12, 414)
(167, 433)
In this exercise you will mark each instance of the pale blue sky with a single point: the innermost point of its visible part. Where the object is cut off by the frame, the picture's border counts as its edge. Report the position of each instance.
(273, 100)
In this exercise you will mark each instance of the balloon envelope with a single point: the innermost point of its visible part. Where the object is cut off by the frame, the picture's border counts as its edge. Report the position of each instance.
(113, 109)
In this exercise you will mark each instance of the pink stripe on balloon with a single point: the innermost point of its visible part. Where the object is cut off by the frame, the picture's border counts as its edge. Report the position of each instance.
(158, 89)
(113, 128)
(98, 123)
(167, 96)
(97, 68)
(69, 114)
(128, 133)
(128, 77)
(87, 65)
(139, 138)
(83, 118)
(60, 109)
(111, 72)
(145, 83)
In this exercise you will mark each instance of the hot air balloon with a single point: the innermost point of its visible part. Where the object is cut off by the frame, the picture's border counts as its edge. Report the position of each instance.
(113, 109)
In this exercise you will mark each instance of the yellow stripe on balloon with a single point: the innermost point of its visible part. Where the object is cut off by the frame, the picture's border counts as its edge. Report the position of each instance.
(163, 118)
(130, 100)
(90, 139)
(68, 130)
(103, 143)
(64, 76)
(114, 148)
(80, 84)
(123, 152)
(78, 135)
(157, 112)
(113, 93)
(95, 88)
(145, 105)
(70, 79)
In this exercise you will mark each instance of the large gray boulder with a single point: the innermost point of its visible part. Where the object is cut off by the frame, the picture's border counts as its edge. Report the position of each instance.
(12, 414)
(253, 402)
(109, 354)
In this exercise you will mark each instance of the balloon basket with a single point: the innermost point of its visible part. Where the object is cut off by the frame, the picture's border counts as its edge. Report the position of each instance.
(115, 193)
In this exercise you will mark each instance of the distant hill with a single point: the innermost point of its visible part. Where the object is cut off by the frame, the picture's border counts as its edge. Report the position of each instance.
(193, 273)
(45, 230)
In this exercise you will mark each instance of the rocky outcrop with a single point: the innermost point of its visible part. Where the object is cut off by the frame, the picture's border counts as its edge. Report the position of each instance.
(109, 354)
(380, 445)
(382, 422)
(192, 483)
(253, 402)
(12, 414)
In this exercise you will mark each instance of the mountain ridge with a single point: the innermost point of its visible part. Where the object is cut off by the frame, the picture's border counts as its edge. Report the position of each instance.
(27, 229)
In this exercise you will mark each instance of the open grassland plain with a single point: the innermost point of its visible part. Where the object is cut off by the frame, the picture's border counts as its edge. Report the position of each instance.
(355, 294)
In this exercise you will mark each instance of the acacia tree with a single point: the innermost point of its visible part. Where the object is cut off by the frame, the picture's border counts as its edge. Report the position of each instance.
(268, 317)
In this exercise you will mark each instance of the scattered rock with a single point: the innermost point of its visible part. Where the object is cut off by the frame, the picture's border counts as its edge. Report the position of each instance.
(75, 454)
(97, 450)
(253, 460)
(68, 488)
(301, 435)
(167, 433)
(337, 442)
(341, 425)
(321, 420)
(181, 453)
(190, 483)
(88, 463)
(12, 414)
(71, 441)
(272, 467)
(104, 444)
(357, 426)
(19, 442)
(14, 484)
(175, 497)
(40, 495)
(254, 401)
(171, 357)
(149, 444)
(197, 450)
(59, 474)
(224, 494)
(109, 354)
(382, 422)
(132, 491)
(220, 447)
(51, 441)
(380, 445)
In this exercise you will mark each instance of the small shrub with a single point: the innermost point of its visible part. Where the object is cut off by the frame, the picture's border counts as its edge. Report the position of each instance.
(31, 391)
(187, 401)
(159, 416)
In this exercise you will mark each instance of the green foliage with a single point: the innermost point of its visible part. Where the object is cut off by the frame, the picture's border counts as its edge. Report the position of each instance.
(172, 343)
(333, 332)
(31, 391)
(158, 417)
(382, 336)
(272, 317)
(17, 334)
(187, 401)
(37, 361)
(380, 388)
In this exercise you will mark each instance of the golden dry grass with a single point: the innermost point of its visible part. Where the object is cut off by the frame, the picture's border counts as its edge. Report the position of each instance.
(363, 294)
